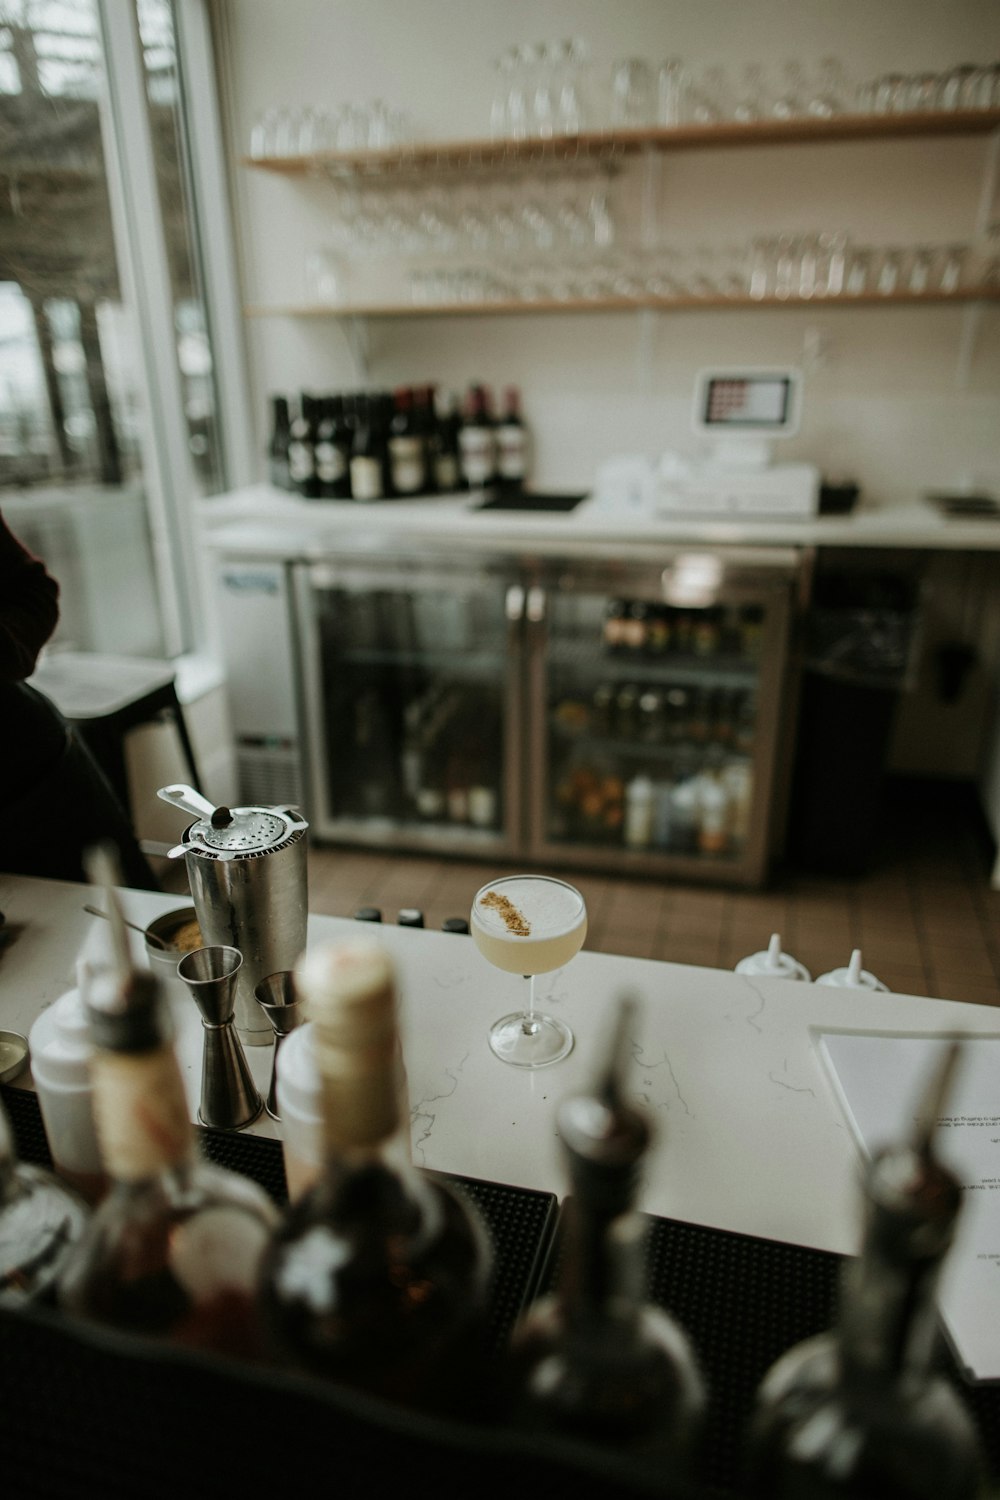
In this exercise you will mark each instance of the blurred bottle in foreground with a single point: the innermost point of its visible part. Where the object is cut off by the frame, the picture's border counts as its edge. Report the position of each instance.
(860, 1411)
(40, 1222)
(594, 1361)
(377, 1278)
(174, 1250)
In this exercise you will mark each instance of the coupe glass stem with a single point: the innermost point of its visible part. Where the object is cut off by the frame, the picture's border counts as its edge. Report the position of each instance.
(528, 1023)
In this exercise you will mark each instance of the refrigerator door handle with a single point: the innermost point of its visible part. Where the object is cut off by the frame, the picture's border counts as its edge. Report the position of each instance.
(536, 605)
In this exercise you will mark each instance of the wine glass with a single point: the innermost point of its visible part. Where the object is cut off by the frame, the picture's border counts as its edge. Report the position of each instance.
(529, 924)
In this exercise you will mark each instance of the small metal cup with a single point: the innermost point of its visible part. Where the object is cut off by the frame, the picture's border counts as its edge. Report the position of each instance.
(277, 997)
(229, 1096)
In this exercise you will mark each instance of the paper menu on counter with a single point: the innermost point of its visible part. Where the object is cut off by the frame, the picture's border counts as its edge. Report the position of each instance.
(881, 1081)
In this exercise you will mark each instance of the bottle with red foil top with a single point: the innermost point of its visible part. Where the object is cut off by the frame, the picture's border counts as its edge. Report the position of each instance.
(512, 444)
(173, 1251)
(477, 442)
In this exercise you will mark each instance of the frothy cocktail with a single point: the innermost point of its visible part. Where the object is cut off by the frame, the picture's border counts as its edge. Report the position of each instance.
(529, 924)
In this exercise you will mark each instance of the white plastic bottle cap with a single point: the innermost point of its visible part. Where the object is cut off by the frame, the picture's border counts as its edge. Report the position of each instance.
(854, 977)
(772, 963)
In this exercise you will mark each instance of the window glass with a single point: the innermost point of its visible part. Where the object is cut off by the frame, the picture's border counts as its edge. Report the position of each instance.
(194, 351)
(72, 415)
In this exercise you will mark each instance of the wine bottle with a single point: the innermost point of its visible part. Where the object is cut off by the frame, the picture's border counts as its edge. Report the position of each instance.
(425, 426)
(367, 477)
(332, 450)
(277, 452)
(349, 422)
(477, 442)
(860, 1410)
(512, 444)
(174, 1250)
(302, 450)
(407, 458)
(41, 1220)
(445, 456)
(593, 1361)
(378, 1275)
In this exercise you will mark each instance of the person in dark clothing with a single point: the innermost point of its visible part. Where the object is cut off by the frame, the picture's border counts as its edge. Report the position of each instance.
(55, 802)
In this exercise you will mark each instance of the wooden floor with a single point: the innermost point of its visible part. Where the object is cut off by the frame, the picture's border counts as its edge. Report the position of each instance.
(923, 913)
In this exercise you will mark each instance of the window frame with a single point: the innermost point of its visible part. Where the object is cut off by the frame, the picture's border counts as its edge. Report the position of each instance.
(140, 244)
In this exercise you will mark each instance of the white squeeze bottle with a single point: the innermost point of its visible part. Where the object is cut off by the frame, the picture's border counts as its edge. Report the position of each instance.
(772, 963)
(854, 977)
(60, 1066)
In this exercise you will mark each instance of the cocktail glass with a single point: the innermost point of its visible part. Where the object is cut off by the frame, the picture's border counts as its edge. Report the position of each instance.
(530, 925)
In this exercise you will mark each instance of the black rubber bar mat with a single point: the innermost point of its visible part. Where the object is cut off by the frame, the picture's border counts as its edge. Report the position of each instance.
(744, 1301)
(520, 1221)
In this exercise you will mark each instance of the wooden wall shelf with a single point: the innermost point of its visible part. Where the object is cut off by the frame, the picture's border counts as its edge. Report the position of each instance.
(610, 146)
(624, 304)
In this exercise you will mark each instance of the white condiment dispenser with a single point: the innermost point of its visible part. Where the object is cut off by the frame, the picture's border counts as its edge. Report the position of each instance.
(772, 963)
(853, 977)
(60, 1066)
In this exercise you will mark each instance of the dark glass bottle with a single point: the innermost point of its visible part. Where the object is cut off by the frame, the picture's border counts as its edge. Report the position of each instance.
(594, 1361)
(367, 468)
(447, 472)
(407, 457)
(41, 1220)
(277, 452)
(477, 442)
(302, 450)
(173, 1251)
(349, 422)
(615, 612)
(377, 1277)
(425, 426)
(512, 444)
(859, 1411)
(333, 454)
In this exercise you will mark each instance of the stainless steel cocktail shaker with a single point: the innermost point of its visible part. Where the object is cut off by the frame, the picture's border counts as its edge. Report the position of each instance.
(247, 867)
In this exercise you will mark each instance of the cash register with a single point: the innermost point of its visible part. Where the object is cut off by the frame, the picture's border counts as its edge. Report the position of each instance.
(739, 414)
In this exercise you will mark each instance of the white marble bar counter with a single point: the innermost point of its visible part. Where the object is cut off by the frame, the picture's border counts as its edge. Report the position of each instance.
(268, 522)
(749, 1136)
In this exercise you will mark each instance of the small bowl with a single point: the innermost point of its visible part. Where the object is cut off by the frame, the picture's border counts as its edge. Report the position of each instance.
(13, 1055)
(177, 929)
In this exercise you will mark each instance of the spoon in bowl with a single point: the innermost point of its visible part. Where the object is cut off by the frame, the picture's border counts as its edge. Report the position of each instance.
(150, 937)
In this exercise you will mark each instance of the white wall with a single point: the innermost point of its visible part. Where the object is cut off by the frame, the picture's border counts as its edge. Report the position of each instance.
(905, 398)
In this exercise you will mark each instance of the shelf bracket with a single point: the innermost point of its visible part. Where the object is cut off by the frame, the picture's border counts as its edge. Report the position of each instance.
(357, 333)
(986, 213)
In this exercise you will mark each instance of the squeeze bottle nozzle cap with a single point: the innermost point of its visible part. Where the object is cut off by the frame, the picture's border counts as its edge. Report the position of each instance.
(772, 963)
(853, 977)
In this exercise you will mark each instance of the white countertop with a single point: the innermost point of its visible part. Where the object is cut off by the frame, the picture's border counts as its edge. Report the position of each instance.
(261, 520)
(749, 1136)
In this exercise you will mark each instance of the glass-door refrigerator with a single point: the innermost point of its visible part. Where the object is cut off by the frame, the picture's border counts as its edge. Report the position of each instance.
(411, 692)
(657, 688)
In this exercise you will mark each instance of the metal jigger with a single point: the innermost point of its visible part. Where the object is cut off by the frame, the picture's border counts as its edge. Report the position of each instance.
(229, 1097)
(277, 998)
